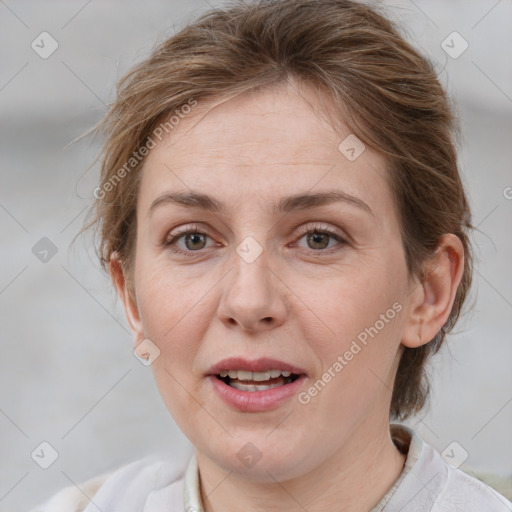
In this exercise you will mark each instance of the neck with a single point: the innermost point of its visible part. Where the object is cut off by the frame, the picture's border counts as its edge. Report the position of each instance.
(354, 478)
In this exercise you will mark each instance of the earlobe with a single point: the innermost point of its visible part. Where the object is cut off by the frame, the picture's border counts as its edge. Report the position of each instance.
(117, 273)
(433, 299)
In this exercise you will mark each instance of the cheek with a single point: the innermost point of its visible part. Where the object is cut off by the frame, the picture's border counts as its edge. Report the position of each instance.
(175, 315)
(166, 299)
(169, 319)
(352, 303)
(170, 315)
(362, 313)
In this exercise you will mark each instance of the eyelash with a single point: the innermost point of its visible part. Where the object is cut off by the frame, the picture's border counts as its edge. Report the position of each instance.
(170, 243)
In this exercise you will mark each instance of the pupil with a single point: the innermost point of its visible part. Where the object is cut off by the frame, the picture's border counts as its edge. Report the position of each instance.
(316, 238)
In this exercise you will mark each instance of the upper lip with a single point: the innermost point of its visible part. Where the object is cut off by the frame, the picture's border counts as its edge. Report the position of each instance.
(255, 365)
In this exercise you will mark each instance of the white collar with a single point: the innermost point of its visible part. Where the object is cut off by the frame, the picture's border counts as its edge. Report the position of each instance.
(426, 483)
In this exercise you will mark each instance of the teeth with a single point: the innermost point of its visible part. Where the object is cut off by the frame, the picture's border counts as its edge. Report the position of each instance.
(244, 375)
(255, 376)
(252, 387)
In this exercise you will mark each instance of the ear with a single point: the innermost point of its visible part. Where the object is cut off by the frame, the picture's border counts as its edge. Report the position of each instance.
(117, 273)
(433, 297)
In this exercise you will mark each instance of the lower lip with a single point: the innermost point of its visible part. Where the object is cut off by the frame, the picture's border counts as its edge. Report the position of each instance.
(255, 401)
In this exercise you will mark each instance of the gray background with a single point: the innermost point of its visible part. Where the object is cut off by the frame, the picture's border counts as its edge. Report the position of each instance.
(67, 372)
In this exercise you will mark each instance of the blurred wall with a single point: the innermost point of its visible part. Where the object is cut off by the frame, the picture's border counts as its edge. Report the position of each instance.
(67, 373)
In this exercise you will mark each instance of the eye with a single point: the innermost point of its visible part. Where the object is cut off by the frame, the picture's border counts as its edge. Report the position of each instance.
(188, 241)
(318, 238)
(193, 240)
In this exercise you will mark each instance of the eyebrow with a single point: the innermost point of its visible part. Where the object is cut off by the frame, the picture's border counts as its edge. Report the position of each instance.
(288, 204)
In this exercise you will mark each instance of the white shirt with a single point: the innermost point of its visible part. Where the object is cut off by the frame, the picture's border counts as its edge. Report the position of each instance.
(426, 484)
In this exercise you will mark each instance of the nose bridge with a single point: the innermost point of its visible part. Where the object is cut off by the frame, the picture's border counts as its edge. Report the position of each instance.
(249, 262)
(252, 296)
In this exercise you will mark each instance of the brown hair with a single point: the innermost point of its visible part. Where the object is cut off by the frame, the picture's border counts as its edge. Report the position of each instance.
(391, 99)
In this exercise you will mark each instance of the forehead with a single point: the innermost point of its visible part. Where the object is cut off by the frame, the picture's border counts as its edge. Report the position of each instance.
(279, 120)
(264, 144)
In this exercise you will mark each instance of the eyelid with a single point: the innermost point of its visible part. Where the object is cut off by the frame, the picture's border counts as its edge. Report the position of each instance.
(183, 230)
(316, 226)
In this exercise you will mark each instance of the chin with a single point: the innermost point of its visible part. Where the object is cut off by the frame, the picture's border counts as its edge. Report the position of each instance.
(261, 461)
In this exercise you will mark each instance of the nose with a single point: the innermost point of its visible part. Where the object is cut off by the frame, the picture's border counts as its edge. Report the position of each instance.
(253, 295)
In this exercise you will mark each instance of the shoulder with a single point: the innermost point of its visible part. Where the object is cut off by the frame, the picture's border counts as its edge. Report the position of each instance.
(429, 484)
(466, 493)
(130, 484)
(73, 499)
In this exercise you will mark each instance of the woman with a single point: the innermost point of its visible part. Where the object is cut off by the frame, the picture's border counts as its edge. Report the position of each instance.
(283, 218)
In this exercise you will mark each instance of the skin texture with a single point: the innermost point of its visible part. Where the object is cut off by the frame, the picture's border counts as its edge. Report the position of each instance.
(298, 302)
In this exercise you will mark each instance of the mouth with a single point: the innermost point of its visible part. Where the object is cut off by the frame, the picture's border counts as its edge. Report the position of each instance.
(248, 381)
(255, 386)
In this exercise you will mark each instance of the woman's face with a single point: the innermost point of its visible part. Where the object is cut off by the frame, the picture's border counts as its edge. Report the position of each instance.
(273, 275)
